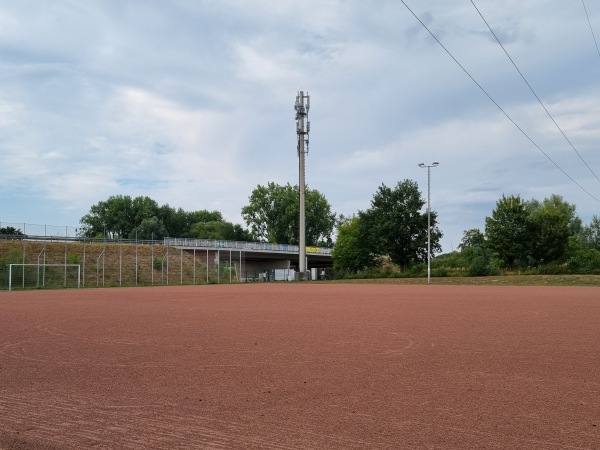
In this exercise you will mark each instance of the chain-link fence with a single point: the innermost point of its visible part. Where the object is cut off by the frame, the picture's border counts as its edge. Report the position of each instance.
(43, 253)
(41, 230)
(115, 263)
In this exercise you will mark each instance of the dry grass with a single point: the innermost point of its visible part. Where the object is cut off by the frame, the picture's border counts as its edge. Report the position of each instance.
(508, 280)
(111, 264)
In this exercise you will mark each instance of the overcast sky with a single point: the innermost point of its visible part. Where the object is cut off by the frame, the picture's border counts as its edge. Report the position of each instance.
(191, 102)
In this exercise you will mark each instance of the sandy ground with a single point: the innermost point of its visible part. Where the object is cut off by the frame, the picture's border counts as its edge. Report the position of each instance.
(301, 366)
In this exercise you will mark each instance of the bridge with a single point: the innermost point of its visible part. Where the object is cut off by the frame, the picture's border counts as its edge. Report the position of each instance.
(256, 255)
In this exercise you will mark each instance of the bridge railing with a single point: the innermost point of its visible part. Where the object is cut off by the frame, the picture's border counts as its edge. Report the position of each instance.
(239, 245)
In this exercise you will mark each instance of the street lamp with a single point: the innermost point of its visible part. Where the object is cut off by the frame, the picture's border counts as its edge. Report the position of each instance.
(429, 166)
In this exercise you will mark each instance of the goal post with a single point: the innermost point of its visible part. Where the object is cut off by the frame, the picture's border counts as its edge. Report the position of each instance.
(43, 276)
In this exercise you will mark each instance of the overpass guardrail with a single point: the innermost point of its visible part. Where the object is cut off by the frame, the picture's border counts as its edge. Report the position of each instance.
(239, 245)
(179, 242)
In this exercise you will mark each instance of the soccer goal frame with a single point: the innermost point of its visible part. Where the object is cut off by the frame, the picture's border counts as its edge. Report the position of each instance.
(42, 278)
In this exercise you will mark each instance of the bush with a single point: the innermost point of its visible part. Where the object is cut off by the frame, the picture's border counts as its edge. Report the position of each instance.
(440, 272)
(479, 267)
(585, 261)
(73, 258)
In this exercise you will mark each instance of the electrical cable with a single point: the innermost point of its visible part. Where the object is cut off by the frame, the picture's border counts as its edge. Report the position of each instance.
(591, 29)
(497, 105)
(533, 92)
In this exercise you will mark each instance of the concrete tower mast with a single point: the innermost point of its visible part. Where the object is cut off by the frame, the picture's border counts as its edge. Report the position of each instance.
(302, 129)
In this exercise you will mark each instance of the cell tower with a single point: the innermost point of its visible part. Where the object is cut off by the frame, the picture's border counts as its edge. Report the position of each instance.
(302, 129)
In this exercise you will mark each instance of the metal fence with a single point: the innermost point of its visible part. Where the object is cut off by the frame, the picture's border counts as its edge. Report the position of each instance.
(124, 262)
(239, 245)
(53, 232)
(120, 263)
(42, 230)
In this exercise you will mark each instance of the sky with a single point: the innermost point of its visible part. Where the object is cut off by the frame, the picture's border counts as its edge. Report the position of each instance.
(191, 103)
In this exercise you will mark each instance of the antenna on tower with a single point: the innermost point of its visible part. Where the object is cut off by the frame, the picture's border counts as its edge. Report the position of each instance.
(302, 130)
(302, 124)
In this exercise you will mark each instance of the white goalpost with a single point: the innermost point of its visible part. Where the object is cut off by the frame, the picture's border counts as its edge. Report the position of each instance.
(37, 276)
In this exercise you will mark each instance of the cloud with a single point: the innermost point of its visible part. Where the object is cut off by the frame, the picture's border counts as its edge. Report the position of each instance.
(191, 103)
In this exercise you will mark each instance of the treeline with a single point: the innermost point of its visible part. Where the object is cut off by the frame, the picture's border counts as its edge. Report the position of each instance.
(528, 236)
(389, 238)
(544, 237)
(142, 218)
(272, 215)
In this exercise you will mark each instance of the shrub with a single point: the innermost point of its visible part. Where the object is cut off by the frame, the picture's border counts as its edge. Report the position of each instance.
(585, 261)
(440, 272)
(479, 267)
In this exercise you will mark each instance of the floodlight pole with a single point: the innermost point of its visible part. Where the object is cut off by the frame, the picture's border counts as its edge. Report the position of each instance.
(423, 165)
(302, 130)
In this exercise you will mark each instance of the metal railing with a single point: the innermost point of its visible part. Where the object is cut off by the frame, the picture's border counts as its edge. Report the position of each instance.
(240, 245)
(71, 234)
(42, 230)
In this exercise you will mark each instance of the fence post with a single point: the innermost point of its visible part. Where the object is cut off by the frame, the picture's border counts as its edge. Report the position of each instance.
(120, 262)
(83, 276)
(65, 285)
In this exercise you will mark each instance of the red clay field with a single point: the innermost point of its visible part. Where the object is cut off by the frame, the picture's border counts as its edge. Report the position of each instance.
(301, 366)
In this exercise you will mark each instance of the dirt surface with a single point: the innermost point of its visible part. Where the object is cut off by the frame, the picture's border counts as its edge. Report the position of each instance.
(301, 366)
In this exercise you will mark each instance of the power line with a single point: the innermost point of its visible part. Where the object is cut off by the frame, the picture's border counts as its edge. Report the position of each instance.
(533, 92)
(591, 29)
(497, 105)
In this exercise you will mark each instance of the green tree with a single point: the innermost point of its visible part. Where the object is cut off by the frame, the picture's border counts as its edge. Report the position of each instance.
(117, 216)
(151, 228)
(204, 215)
(590, 234)
(396, 226)
(472, 238)
(508, 230)
(121, 216)
(475, 254)
(11, 231)
(273, 215)
(179, 223)
(552, 223)
(351, 254)
(176, 220)
(566, 209)
(142, 208)
(220, 230)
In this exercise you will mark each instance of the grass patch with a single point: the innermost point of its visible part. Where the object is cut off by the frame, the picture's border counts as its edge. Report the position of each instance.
(504, 280)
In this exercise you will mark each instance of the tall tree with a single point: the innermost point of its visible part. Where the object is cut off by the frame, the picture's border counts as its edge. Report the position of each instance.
(351, 252)
(552, 222)
(175, 220)
(396, 226)
(151, 228)
(123, 217)
(472, 238)
(273, 215)
(590, 234)
(204, 215)
(117, 216)
(508, 230)
(220, 230)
